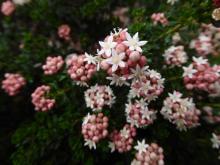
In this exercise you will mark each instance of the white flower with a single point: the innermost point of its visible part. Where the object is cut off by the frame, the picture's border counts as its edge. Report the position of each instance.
(86, 119)
(107, 46)
(90, 143)
(189, 71)
(154, 74)
(81, 84)
(116, 60)
(111, 146)
(175, 97)
(172, 2)
(90, 59)
(215, 141)
(125, 133)
(138, 72)
(135, 162)
(21, 2)
(200, 60)
(134, 92)
(117, 31)
(133, 42)
(117, 80)
(141, 146)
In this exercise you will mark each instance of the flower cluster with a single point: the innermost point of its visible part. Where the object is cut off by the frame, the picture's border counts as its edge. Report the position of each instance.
(122, 140)
(13, 83)
(147, 84)
(64, 32)
(216, 142)
(175, 56)
(139, 115)
(159, 18)
(207, 41)
(148, 154)
(80, 68)
(53, 65)
(210, 115)
(202, 45)
(98, 96)
(94, 128)
(119, 53)
(180, 111)
(200, 75)
(7, 7)
(39, 100)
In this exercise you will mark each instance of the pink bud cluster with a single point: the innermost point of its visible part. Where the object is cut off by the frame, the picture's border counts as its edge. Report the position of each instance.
(204, 77)
(7, 7)
(214, 33)
(139, 115)
(39, 100)
(210, 116)
(123, 140)
(180, 111)
(152, 156)
(98, 96)
(120, 58)
(13, 83)
(53, 65)
(159, 18)
(94, 128)
(148, 86)
(64, 32)
(175, 56)
(203, 45)
(79, 69)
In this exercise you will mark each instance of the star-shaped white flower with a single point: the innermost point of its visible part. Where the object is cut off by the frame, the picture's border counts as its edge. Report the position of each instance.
(86, 119)
(215, 141)
(111, 146)
(141, 146)
(117, 31)
(143, 104)
(138, 72)
(189, 71)
(200, 60)
(125, 133)
(175, 96)
(90, 59)
(133, 42)
(117, 80)
(154, 74)
(116, 60)
(107, 46)
(90, 143)
(172, 2)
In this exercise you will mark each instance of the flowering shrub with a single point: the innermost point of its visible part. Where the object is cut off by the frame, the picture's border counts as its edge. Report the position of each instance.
(157, 78)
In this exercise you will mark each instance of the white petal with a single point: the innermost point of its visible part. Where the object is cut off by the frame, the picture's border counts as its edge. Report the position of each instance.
(135, 37)
(141, 43)
(138, 49)
(114, 68)
(108, 52)
(128, 36)
(122, 64)
(101, 43)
